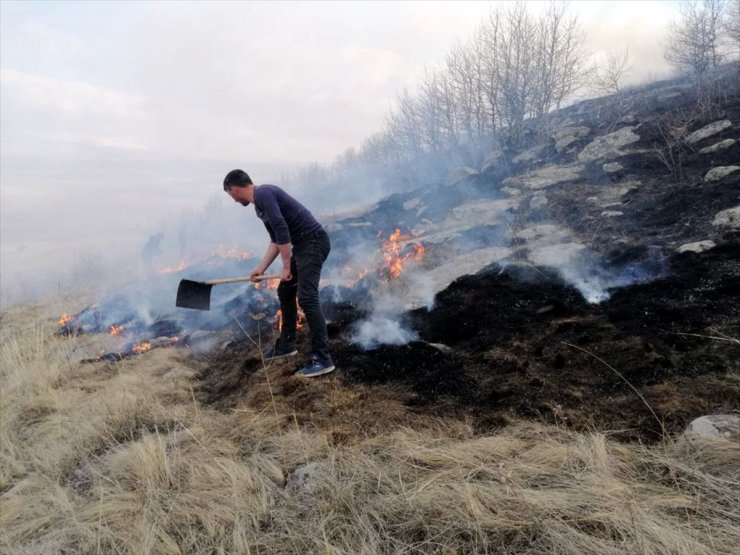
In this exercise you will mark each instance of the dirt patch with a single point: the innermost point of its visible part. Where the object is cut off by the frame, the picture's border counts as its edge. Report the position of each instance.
(520, 342)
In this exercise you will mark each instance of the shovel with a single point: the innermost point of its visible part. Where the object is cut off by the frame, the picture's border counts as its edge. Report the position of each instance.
(197, 294)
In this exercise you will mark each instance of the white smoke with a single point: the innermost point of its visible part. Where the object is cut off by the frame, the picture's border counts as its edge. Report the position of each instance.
(384, 326)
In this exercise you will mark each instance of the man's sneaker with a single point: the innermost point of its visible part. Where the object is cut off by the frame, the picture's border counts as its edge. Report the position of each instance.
(278, 351)
(315, 368)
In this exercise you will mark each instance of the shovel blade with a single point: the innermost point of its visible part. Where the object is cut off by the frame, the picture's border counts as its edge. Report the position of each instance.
(193, 294)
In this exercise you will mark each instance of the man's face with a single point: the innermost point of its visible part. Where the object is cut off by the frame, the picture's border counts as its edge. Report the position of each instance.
(239, 194)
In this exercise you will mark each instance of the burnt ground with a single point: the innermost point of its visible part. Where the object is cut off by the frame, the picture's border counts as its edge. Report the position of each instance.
(518, 342)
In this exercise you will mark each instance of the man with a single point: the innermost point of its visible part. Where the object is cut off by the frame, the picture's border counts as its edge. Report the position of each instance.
(303, 246)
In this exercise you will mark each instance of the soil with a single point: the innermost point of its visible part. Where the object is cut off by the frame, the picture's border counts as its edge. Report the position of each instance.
(518, 341)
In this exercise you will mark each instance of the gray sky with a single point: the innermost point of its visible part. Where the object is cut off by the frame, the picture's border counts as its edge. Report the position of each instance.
(117, 116)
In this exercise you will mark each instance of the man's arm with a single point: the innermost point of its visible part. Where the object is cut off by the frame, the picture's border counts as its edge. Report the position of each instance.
(270, 256)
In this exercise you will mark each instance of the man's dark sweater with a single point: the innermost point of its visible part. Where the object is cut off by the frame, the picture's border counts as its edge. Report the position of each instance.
(286, 219)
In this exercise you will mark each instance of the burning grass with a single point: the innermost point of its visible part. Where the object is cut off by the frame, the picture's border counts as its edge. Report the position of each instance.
(121, 457)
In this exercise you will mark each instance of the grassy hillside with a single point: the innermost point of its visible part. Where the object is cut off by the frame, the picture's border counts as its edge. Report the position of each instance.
(121, 457)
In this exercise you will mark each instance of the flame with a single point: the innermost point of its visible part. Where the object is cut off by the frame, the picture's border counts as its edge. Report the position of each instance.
(172, 269)
(63, 319)
(300, 324)
(394, 258)
(115, 330)
(141, 348)
(223, 251)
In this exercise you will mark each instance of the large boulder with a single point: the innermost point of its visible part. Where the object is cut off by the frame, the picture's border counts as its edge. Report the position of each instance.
(708, 131)
(725, 426)
(722, 173)
(609, 146)
(729, 218)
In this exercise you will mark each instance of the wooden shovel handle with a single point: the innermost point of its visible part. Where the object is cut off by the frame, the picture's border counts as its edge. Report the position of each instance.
(237, 280)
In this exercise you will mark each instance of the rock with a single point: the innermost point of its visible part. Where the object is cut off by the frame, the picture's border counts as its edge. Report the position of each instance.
(612, 167)
(708, 131)
(464, 217)
(179, 372)
(725, 426)
(569, 135)
(462, 263)
(552, 232)
(511, 191)
(612, 195)
(530, 155)
(699, 246)
(459, 175)
(556, 255)
(411, 204)
(306, 479)
(721, 172)
(334, 227)
(716, 147)
(611, 214)
(441, 347)
(729, 218)
(360, 224)
(537, 202)
(608, 146)
(546, 177)
(492, 160)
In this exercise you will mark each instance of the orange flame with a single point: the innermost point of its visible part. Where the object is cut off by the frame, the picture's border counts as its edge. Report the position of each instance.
(141, 348)
(115, 330)
(393, 257)
(172, 269)
(63, 319)
(300, 324)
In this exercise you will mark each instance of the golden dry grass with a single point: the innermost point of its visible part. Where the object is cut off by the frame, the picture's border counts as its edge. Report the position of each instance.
(118, 458)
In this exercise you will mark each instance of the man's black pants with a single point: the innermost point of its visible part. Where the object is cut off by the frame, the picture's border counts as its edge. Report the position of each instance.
(305, 265)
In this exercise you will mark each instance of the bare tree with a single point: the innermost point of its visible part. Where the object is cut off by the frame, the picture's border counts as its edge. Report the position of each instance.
(694, 44)
(608, 77)
(732, 26)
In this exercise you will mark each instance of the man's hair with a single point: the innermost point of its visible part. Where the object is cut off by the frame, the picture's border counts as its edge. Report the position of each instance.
(236, 178)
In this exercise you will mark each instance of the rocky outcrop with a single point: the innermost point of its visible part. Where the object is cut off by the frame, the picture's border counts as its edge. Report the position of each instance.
(717, 147)
(530, 155)
(567, 136)
(708, 131)
(546, 177)
(698, 246)
(721, 173)
(455, 177)
(609, 146)
(613, 195)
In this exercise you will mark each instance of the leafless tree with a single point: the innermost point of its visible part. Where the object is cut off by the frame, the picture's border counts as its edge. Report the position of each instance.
(694, 43)
(608, 77)
(732, 26)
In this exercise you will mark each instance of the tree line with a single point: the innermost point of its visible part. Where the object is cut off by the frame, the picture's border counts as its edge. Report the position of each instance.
(516, 68)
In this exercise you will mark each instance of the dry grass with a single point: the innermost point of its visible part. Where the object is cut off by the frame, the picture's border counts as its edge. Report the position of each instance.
(116, 458)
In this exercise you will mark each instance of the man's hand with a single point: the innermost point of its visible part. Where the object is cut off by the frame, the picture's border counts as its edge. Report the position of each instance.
(258, 271)
(285, 274)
